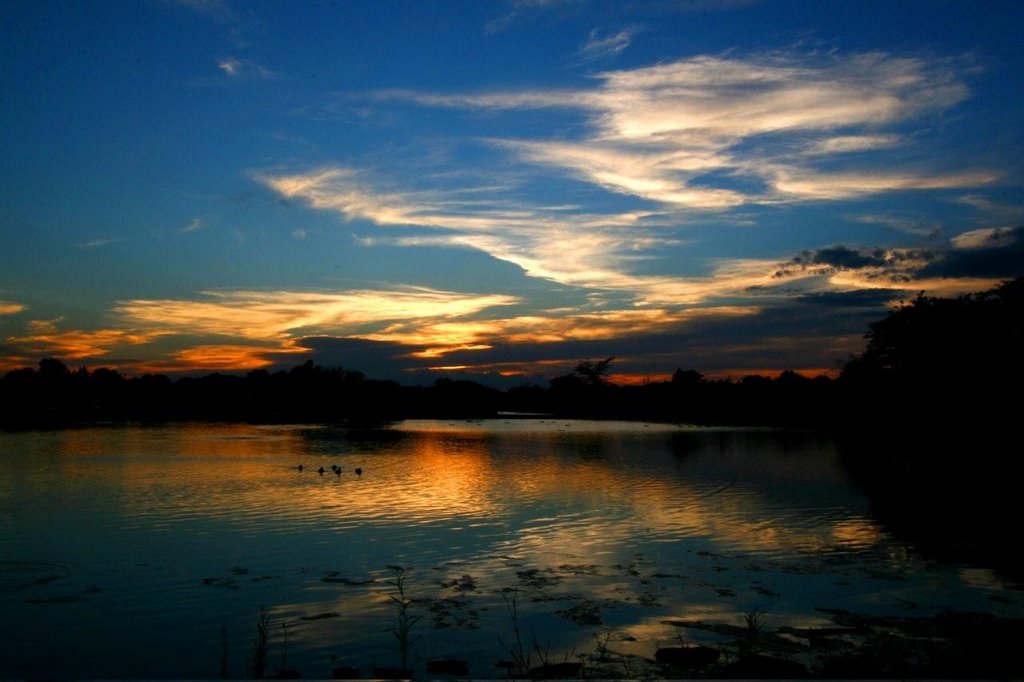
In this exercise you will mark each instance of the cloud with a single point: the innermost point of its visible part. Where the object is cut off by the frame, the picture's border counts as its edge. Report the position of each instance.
(860, 298)
(986, 253)
(801, 183)
(45, 340)
(238, 21)
(852, 143)
(569, 247)
(884, 266)
(603, 47)
(11, 308)
(521, 8)
(595, 252)
(906, 224)
(769, 123)
(96, 243)
(987, 238)
(192, 226)
(279, 315)
(236, 67)
(843, 257)
(217, 358)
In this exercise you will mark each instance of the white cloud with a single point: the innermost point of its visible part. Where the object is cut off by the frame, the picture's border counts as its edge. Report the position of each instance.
(601, 47)
(907, 224)
(654, 130)
(193, 225)
(852, 143)
(685, 138)
(235, 67)
(987, 238)
(96, 243)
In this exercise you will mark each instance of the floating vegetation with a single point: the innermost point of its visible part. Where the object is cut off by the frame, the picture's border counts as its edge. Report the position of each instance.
(585, 612)
(535, 577)
(336, 577)
(648, 599)
(451, 612)
(764, 591)
(464, 584)
(447, 666)
(321, 616)
(580, 569)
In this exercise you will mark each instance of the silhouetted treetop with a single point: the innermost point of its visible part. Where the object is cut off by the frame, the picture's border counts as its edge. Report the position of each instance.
(970, 339)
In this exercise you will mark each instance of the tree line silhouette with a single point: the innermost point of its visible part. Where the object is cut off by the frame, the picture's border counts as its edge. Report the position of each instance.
(941, 360)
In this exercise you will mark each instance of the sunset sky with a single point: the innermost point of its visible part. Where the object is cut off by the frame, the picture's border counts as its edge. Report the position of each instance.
(498, 189)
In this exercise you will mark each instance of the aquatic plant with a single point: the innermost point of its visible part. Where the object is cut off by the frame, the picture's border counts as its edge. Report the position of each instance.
(259, 654)
(750, 643)
(284, 644)
(519, 657)
(405, 620)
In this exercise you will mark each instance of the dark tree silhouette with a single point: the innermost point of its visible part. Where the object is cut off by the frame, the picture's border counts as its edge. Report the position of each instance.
(974, 337)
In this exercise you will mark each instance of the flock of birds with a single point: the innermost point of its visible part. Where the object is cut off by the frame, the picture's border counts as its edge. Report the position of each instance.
(334, 467)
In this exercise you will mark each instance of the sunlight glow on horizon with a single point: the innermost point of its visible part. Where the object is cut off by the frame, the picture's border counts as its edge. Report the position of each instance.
(638, 183)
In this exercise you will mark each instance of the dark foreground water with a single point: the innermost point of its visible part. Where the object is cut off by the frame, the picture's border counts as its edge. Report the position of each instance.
(150, 551)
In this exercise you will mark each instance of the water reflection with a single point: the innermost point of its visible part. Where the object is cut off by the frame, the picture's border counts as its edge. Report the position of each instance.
(165, 535)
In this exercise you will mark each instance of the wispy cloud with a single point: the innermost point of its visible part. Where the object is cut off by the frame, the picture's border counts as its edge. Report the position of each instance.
(600, 46)
(569, 247)
(852, 143)
(986, 238)
(907, 224)
(236, 67)
(654, 132)
(192, 226)
(277, 315)
(218, 357)
(11, 308)
(591, 251)
(238, 20)
(96, 243)
(76, 344)
(521, 8)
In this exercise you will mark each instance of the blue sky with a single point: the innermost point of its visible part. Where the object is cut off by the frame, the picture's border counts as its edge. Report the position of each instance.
(497, 189)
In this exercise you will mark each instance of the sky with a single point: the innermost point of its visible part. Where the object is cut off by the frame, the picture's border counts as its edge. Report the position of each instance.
(497, 190)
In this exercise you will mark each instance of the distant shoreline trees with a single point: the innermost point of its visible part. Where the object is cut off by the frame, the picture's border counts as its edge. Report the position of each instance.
(943, 358)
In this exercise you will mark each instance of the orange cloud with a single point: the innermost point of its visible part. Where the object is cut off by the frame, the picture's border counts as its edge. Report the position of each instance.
(76, 344)
(446, 337)
(10, 307)
(216, 357)
(276, 315)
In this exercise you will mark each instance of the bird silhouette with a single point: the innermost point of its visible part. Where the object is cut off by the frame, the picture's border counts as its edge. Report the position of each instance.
(359, 471)
(320, 471)
(300, 467)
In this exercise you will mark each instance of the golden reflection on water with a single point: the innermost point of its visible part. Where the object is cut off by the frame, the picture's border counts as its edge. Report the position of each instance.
(437, 475)
(653, 522)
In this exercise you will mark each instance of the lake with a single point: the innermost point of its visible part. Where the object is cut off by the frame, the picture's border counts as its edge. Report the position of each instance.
(151, 551)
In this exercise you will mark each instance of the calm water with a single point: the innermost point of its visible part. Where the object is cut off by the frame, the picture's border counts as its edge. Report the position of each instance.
(146, 551)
